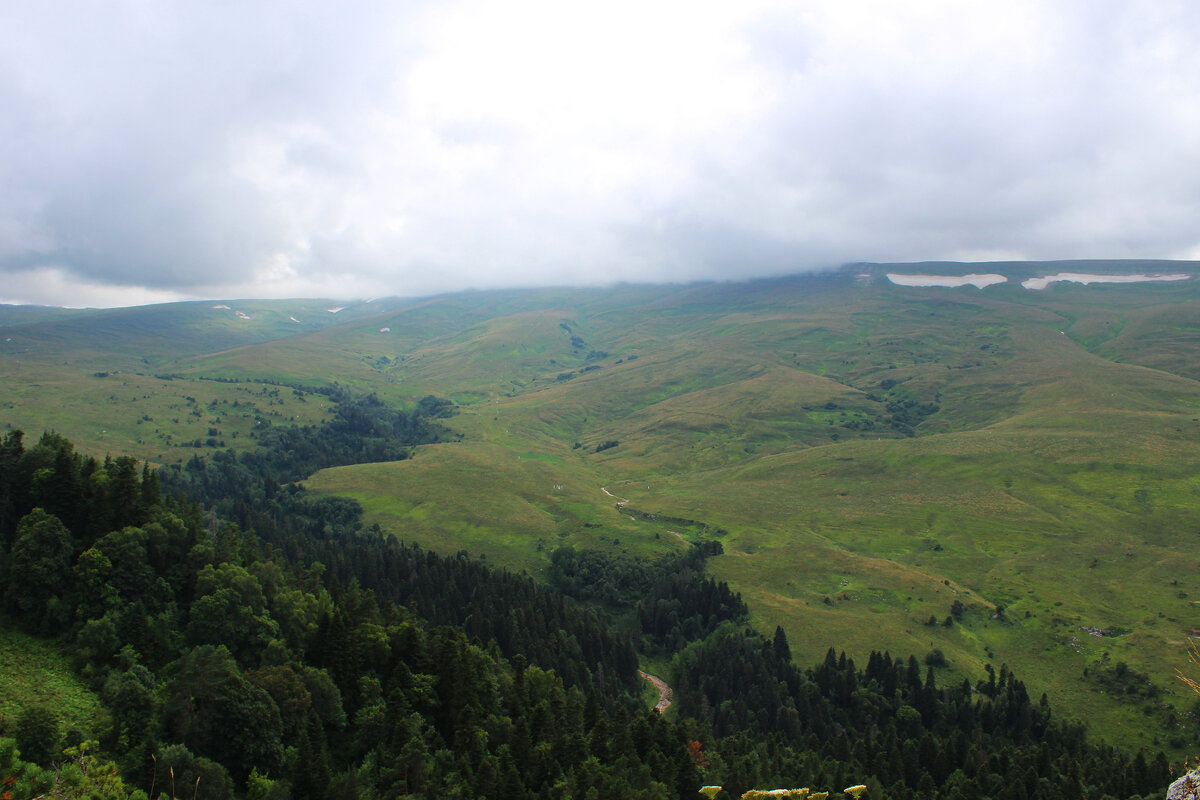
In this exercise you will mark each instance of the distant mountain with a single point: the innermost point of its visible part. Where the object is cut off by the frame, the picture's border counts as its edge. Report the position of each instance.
(152, 335)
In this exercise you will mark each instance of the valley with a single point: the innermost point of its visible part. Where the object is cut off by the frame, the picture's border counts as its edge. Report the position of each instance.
(971, 475)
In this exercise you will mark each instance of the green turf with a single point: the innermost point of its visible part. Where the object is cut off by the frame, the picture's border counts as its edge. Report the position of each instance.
(35, 672)
(163, 420)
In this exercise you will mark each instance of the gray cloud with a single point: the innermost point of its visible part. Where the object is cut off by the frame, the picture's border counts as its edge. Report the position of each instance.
(161, 151)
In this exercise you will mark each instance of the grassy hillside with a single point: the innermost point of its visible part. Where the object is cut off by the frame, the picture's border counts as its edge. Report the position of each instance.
(160, 419)
(150, 337)
(34, 672)
(868, 453)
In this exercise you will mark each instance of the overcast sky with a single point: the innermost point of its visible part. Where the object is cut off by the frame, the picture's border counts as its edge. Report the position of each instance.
(168, 150)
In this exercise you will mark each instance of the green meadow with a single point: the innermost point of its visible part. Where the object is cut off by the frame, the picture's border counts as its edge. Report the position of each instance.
(164, 420)
(1020, 468)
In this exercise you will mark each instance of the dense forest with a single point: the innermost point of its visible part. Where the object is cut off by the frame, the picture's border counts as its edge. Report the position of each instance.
(249, 640)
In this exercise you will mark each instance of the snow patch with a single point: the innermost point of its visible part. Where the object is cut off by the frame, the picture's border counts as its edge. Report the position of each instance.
(950, 281)
(385, 330)
(240, 315)
(224, 307)
(293, 319)
(335, 310)
(1086, 278)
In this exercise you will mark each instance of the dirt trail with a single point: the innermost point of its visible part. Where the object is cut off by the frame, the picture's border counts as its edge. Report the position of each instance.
(664, 691)
(620, 500)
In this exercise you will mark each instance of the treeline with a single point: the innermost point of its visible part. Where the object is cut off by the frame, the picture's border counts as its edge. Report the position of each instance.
(519, 615)
(361, 430)
(891, 726)
(90, 497)
(257, 492)
(669, 601)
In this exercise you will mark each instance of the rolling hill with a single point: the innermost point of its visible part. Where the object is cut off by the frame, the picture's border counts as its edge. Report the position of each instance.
(1003, 475)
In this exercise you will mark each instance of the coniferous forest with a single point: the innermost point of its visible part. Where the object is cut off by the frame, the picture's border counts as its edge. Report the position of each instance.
(250, 640)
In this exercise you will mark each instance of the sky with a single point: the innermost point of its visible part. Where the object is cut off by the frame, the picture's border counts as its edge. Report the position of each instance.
(155, 151)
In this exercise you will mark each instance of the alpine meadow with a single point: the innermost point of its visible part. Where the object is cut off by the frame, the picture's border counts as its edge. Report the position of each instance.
(864, 526)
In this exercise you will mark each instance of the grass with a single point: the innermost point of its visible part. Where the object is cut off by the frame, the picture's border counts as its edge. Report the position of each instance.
(514, 509)
(151, 418)
(35, 672)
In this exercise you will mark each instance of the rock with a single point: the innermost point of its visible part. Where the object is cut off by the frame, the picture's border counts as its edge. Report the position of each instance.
(1186, 788)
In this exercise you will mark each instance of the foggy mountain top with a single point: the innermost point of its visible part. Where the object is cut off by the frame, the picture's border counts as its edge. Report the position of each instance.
(155, 152)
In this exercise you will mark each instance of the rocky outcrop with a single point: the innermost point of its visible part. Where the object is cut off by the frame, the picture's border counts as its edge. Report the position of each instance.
(1186, 788)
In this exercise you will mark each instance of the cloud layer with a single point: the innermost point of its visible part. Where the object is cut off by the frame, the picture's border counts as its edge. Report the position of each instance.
(162, 150)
